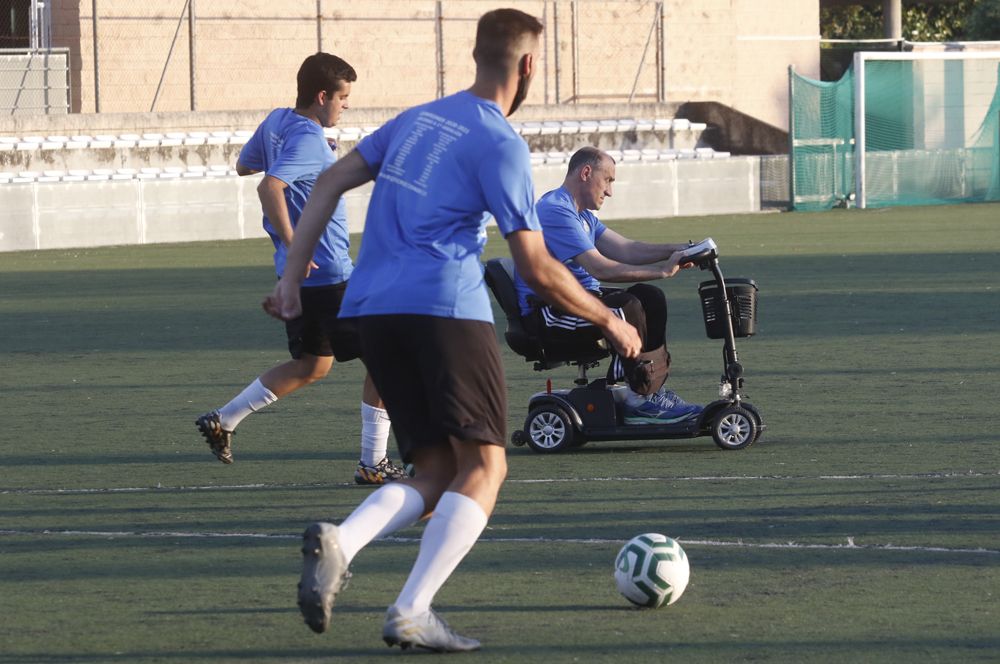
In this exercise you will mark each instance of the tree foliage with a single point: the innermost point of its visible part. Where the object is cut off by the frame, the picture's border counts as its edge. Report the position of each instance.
(983, 23)
(922, 21)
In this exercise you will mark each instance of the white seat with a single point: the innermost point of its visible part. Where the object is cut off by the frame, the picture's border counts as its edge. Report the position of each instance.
(589, 126)
(556, 157)
(27, 145)
(668, 155)
(150, 170)
(33, 139)
(704, 153)
(699, 126)
(686, 153)
(631, 155)
(53, 174)
(28, 174)
(197, 169)
(607, 126)
(9, 140)
(98, 177)
(78, 172)
(662, 124)
(73, 178)
(680, 124)
(644, 125)
(219, 168)
(531, 128)
(103, 171)
(569, 127)
(126, 171)
(537, 158)
(550, 127)
(78, 142)
(174, 169)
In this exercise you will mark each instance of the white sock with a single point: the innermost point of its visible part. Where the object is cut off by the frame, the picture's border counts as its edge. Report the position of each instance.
(253, 397)
(392, 507)
(634, 399)
(375, 425)
(456, 525)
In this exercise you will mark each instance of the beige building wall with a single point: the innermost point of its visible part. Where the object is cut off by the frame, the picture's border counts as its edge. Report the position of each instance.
(246, 53)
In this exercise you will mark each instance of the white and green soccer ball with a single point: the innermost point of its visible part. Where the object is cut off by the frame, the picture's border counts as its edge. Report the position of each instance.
(652, 570)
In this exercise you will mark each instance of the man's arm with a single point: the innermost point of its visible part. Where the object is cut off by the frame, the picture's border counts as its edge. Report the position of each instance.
(271, 192)
(603, 268)
(619, 248)
(348, 173)
(554, 283)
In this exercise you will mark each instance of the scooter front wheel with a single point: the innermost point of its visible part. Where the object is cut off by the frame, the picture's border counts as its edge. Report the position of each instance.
(734, 428)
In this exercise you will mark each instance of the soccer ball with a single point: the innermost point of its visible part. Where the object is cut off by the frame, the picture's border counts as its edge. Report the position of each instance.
(651, 570)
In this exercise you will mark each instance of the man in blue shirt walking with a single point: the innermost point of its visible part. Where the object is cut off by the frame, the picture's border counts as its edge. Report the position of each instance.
(426, 322)
(292, 150)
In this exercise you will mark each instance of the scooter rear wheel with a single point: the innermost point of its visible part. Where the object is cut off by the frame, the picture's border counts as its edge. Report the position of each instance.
(549, 430)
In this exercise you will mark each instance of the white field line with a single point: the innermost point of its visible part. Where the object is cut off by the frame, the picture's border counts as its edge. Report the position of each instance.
(572, 480)
(849, 545)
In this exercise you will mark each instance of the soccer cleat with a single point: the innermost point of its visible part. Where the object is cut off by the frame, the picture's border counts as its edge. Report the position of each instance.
(661, 408)
(382, 472)
(428, 630)
(324, 574)
(219, 440)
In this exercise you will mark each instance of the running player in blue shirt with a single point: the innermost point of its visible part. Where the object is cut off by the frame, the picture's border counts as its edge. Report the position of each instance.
(292, 150)
(594, 253)
(426, 321)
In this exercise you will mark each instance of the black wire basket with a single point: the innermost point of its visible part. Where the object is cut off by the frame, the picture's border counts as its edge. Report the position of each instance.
(742, 295)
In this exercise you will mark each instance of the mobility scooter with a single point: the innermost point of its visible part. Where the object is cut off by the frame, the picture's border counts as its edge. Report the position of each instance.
(559, 420)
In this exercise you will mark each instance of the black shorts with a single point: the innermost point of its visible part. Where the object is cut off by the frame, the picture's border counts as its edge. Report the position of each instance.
(441, 379)
(318, 331)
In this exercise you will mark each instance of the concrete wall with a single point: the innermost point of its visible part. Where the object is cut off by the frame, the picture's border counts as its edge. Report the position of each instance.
(60, 215)
(246, 54)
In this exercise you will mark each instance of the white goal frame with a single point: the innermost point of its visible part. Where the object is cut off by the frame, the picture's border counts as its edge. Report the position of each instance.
(860, 60)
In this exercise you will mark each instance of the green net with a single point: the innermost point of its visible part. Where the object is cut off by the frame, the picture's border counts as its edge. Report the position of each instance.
(930, 134)
(822, 146)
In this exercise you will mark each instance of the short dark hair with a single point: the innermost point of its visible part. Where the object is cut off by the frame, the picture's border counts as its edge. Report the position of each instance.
(498, 35)
(587, 156)
(321, 72)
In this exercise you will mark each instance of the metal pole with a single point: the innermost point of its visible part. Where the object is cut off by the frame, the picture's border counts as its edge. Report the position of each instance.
(555, 44)
(661, 56)
(892, 19)
(170, 53)
(642, 60)
(574, 30)
(859, 131)
(319, 26)
(192, 59)
(545, 51)
(439, 36)
(791, 137)
(33, 25)
(97, 64)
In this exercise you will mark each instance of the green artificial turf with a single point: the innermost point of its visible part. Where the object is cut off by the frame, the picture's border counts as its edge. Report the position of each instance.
(864, 525)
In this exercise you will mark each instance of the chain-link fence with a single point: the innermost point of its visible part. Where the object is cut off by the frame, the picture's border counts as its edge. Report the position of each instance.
(181, 55)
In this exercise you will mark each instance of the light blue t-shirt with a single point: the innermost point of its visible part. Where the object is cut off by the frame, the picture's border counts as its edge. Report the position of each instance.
(439, 169)
(294, 149)
(568, 234)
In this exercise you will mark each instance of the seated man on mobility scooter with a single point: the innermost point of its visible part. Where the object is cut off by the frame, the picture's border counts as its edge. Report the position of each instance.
(594, 253)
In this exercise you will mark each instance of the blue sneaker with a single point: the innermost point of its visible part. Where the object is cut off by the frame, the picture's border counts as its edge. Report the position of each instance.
(661, 408)
(669, 400)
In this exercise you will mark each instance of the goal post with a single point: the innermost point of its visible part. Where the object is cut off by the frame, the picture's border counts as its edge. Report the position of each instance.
(911, 128)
